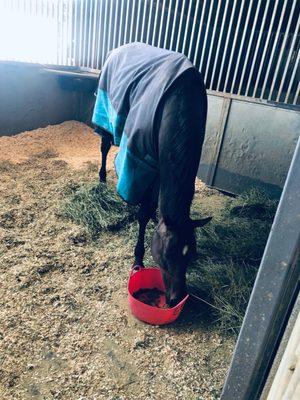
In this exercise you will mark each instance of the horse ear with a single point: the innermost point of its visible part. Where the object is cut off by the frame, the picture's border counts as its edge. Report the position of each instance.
(198, 223)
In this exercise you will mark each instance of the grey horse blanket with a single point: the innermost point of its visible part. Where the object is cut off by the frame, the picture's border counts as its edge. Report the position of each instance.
(133, 82)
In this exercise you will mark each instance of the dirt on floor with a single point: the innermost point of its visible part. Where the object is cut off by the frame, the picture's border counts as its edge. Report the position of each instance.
(65, 328)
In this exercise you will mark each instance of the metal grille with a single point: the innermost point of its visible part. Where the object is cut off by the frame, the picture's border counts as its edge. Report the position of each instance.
(242, 47)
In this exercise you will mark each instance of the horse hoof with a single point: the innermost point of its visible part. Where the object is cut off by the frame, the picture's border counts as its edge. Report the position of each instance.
(137, 266)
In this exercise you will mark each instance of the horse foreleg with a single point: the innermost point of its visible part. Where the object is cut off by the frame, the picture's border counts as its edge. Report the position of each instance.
(146, 212)
(144, 216)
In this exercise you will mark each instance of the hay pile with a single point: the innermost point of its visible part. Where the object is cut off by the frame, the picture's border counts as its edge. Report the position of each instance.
(73, 142)
(230, 250)
(97, 207)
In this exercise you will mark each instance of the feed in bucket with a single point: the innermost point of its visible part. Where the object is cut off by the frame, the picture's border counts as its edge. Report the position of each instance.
(153, 297)
(146, 296)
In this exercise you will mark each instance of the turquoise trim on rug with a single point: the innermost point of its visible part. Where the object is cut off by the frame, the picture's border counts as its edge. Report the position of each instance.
(134, 175)
(106, 117)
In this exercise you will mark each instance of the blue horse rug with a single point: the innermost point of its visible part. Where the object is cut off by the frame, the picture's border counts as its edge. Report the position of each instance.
(133, 81)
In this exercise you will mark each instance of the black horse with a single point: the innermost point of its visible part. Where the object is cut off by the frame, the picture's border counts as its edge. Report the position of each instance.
(180, 128)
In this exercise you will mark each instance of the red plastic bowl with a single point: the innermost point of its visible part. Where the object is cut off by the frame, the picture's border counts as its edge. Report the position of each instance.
(149, 278)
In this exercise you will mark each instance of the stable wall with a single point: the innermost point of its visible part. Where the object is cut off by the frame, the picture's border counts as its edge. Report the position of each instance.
(31, 98)
(249, 143)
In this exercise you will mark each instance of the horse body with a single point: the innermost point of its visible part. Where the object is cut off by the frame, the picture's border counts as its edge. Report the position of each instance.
(180, 126)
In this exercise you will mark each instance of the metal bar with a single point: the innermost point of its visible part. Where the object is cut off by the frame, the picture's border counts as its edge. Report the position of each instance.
(155, 23)
(126, 22)
(168, 23)
(187, 27)
(174, 25)
(76, 41)
(69, 32)
(275, 289)
(270, 27)
(85, 34)
(238, 60)
(72, 36)
(94, 33)
(297, 95)
(121, 22)
(88, 44)
(219, 42)
(115, 24)
(70, 27)
(149, 22)
(251, 100)
(258, 8)
(287, 63)
(288, 92)
(226, 43)
(131, 21)
(233, 44)
(138, 21)
(212, 41)
(162, 22)
(197, 9)
(80, 32)
(206, 34)
(109, 28)
(62, 32)
(273, 49)
(180, 25)
(67, 28)
(104, 42)
(200, 32)
(282, 49)
(98, 60)
(144, 21)
(71, 47)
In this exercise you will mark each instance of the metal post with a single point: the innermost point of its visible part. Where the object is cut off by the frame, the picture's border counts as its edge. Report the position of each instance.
(296, 66)
(180, 25)
(168, 23)
(161, 24)
(275, 290)
(196, 12)
(155, 24)
(228, 33)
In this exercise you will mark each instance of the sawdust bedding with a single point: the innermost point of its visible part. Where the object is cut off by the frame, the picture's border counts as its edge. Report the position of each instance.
(65, 331)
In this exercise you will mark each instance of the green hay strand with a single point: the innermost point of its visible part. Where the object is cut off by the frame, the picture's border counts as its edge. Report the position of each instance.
(97, 207)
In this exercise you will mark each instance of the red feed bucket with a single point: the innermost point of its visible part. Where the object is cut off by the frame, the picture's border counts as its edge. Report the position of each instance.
(149, 278)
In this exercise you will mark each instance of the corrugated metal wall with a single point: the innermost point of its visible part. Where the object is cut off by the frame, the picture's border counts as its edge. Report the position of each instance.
(243, 47)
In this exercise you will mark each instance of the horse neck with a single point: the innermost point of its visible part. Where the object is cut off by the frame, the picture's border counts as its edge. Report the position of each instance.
(175, 198)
